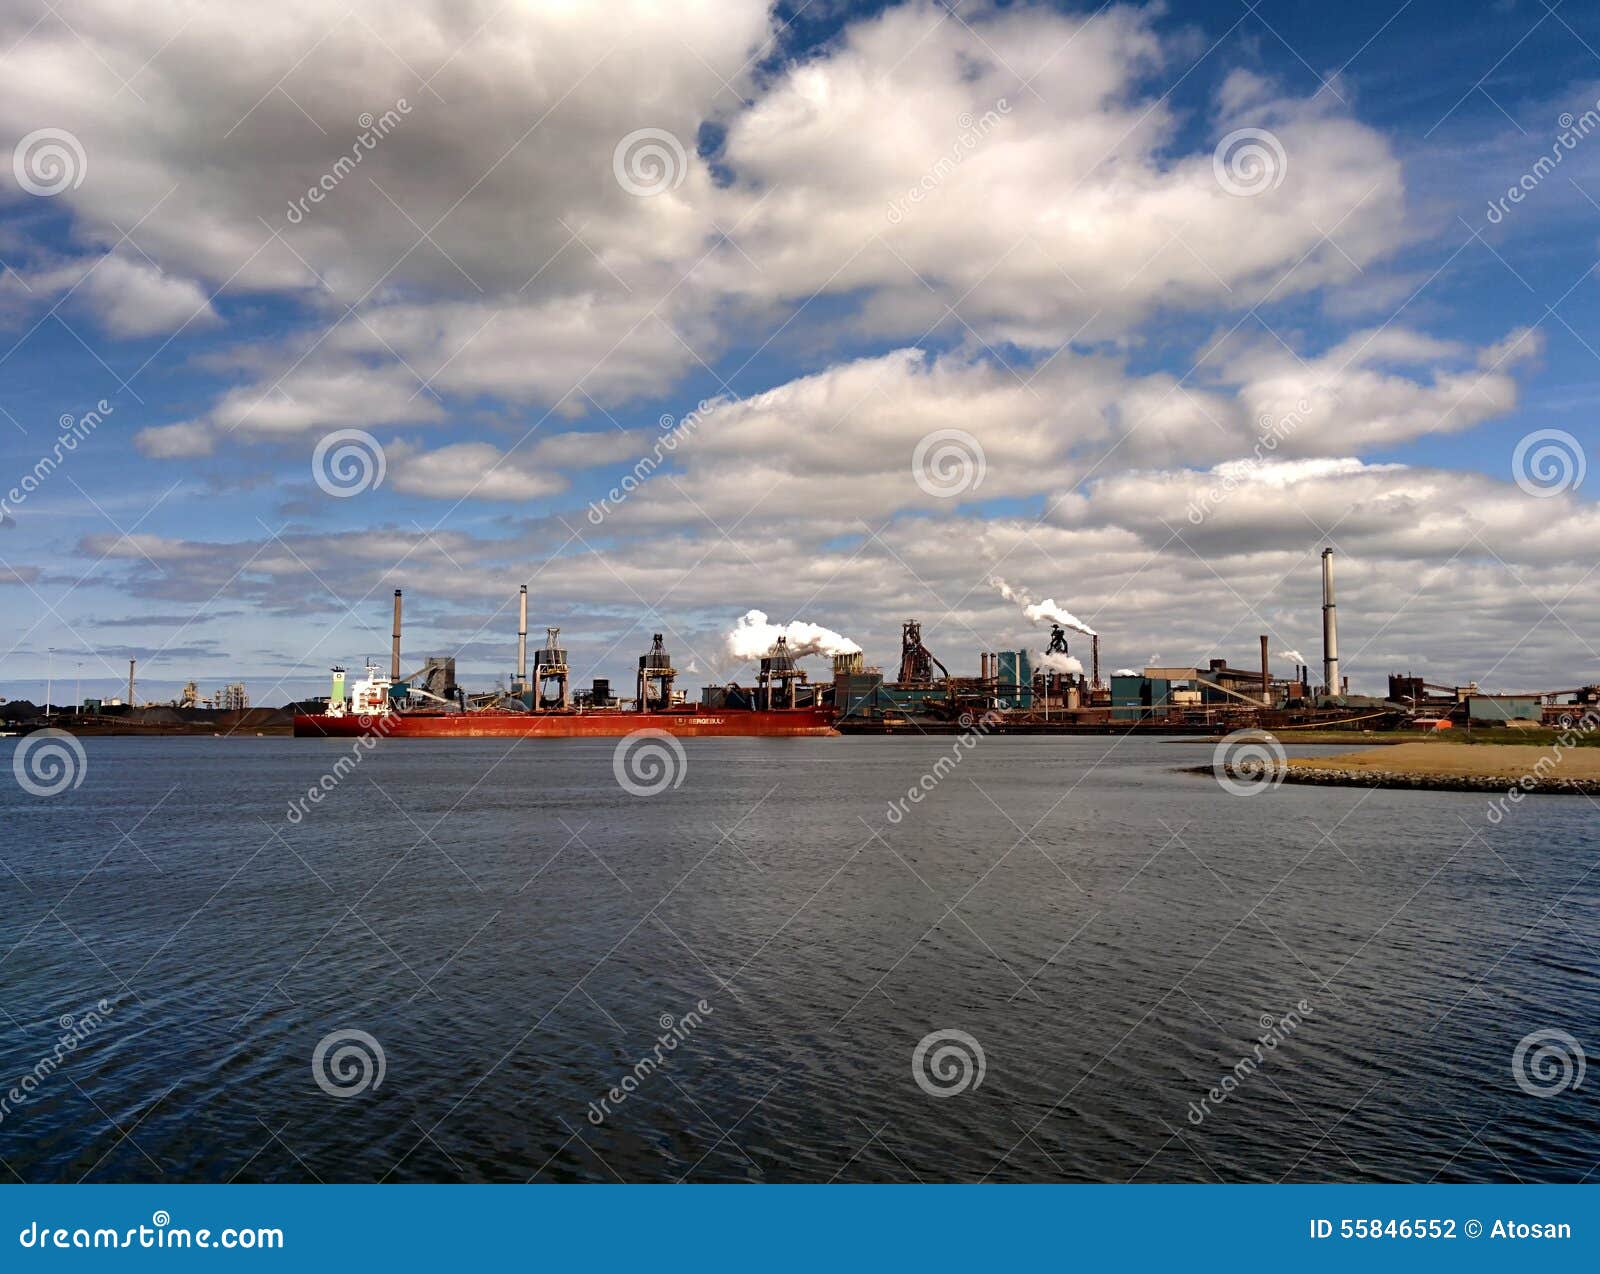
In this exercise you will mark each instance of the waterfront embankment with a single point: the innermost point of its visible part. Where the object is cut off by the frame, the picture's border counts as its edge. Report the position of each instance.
(1457, 767)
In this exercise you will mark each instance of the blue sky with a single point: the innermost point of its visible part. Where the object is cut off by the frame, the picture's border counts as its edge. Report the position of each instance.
(1075, 294)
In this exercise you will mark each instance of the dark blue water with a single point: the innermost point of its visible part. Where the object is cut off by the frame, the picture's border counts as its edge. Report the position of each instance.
(511, 928)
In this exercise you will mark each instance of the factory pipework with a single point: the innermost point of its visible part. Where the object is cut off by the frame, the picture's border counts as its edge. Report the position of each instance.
(1330, 627)
(394, 648)
(522, 638)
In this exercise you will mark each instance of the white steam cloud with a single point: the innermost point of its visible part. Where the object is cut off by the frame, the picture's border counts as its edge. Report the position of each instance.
(1045, 610)
(1055, 661)
(1048, 609)
(753, 636)
(1294, 656)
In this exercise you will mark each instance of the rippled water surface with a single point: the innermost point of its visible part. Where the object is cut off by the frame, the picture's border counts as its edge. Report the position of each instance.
(512, 929)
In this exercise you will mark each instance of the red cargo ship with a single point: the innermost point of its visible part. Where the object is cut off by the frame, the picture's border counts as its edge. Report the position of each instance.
(781, 705)
(596, 723)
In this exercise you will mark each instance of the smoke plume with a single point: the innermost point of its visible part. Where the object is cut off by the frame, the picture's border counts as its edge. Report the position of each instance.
(753, 637)
(1055, 661)
(1045, 610)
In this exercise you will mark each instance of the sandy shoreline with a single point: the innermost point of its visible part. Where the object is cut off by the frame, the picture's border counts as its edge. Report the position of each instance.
(1444, 767)
(1509, 761)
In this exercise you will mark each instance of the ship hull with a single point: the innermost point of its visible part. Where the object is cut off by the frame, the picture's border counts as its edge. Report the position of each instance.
(602, 724)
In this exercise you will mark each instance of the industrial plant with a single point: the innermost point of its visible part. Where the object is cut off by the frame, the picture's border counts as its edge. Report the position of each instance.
(1163, 699)
(1021, 691)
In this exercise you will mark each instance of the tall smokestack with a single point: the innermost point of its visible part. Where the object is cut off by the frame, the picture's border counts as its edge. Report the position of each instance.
(394, 649)
(522, 639)
(1266, 676)
(131, 663)
(1094, 659)
(1330, 627)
